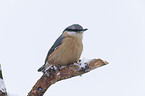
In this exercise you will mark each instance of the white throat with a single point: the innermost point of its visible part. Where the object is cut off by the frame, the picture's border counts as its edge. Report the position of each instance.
(74, 33)
(78, 34)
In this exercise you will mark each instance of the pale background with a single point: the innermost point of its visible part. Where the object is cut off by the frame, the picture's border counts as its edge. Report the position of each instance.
(116, 33)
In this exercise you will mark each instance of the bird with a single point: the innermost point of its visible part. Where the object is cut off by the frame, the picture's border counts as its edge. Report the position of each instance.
(67, 49)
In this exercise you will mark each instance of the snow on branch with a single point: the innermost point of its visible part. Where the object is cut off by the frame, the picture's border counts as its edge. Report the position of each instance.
(2, 85)
(53, 76)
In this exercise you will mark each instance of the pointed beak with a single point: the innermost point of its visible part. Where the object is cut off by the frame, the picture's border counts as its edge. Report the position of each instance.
(83, 30)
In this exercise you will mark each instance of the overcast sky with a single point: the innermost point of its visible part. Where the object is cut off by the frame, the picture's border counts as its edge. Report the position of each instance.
(116, 33)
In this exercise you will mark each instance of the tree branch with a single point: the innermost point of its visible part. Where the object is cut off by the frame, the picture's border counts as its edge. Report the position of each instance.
(2, 85)
(75, 69)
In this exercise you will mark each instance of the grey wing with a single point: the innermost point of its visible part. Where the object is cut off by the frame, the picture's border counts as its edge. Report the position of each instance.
(55, 45)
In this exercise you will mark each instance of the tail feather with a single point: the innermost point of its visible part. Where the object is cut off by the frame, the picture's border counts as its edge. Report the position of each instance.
(41, 68)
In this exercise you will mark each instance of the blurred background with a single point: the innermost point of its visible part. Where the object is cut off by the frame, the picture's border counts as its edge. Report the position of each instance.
(116, 33)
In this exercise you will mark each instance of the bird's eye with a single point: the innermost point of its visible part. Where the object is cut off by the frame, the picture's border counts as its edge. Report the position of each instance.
(74, 30)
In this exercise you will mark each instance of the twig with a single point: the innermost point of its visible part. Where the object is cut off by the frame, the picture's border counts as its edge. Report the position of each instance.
(2, 85)
(67, 72)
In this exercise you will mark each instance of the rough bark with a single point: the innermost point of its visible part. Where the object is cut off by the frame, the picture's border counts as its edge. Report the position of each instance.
(52, 77)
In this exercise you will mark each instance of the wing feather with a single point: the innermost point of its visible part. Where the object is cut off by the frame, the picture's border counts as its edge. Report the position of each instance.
(55, 45)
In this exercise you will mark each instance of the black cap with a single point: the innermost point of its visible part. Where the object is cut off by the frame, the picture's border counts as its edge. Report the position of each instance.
(75, 27)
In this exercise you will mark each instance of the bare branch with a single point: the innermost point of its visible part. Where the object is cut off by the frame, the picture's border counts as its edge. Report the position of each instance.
(67, 72)
(2, 85)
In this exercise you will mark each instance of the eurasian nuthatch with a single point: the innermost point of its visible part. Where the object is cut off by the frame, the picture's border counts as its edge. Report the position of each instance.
(67, 49)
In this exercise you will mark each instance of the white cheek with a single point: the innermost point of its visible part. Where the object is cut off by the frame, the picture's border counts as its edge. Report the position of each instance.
(72, 33)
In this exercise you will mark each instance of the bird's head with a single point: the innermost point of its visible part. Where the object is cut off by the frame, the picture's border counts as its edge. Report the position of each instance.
(74, 30)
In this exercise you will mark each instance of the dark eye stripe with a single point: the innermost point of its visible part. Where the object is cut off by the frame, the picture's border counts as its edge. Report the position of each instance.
(76, 30)
(73, 30)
